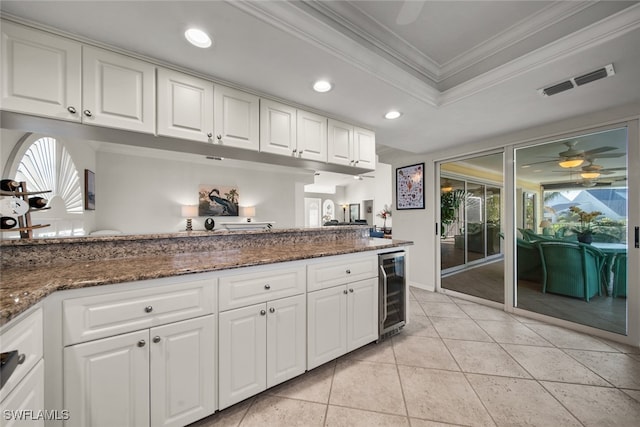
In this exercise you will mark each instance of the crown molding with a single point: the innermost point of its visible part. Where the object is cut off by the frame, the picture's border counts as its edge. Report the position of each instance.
(303, 23)
(539, 21)
(595, 34)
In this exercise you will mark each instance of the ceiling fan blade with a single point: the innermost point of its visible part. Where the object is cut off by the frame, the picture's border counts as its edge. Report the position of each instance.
(541, 162)
(598, 150)
(608, 156)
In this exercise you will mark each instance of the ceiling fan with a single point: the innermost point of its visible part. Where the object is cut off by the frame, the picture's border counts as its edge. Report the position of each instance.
(572, 157)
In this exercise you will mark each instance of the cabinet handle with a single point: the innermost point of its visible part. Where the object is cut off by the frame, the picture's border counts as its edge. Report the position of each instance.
(71, 109)
(21, 358)
(344, 292)
(295, 150)
(348, 271)
(209, 135)
(219, 137)
(87, 113)
(156, 339)
(262, 312)
(351, 290)
(148, 309)
(142, 343)
(272, 310)
(356, 162)
(300, 153)
(267, 286)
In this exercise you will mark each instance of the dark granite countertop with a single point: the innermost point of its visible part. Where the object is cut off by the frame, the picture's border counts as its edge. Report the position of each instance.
(22, 287)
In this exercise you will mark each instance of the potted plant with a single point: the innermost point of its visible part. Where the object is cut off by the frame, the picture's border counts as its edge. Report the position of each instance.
(384, 214)
(584, 231)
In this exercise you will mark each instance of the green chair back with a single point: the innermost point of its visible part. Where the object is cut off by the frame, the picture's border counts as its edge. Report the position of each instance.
(620, 276)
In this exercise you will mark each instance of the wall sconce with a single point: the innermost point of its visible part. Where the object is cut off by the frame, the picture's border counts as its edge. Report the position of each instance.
(189, 212)
(249, 212)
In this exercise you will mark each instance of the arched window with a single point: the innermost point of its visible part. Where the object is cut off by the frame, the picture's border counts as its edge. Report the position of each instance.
(47, 165)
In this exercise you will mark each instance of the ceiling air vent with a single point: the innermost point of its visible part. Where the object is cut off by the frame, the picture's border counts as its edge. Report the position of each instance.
(589, 77)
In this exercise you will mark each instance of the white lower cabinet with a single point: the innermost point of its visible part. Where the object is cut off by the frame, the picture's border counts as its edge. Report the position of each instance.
(341, 319)
(260, 346)
(26, 398)
(163, 376)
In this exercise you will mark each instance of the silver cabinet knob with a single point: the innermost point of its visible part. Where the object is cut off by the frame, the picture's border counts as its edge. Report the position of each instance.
(148, 309)
(21, 358)
(348, 271)
(156, 339)
(267, 286)
(295, 150)
(272, 310)
(209, 135)
(344, 292)
(71, 109)
(142, 343)
(351, 290)
(262, 312)
(300, 153)
(88, 113)
(356, 162)
(219, 137)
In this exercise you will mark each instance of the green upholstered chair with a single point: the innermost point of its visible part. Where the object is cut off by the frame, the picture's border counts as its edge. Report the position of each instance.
(531, 236)
(620, 276)
(571, 269)
(529, 263)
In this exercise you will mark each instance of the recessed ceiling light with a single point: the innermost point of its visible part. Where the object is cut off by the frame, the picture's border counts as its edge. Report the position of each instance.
(322, 86)
(392, 115)
(197, 37)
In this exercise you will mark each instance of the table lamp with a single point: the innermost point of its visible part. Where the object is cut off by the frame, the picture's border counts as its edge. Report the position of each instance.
(189, 212)
(249, 212)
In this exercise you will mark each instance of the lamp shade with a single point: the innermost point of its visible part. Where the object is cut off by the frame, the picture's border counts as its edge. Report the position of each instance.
(189, 211)
(590, 175)
(249, 211)
(570, 163)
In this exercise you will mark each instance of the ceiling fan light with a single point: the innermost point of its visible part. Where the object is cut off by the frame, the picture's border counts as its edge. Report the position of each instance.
(590, 175)
(570, 163)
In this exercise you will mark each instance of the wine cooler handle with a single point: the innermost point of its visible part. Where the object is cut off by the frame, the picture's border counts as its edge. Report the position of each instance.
(384, 292)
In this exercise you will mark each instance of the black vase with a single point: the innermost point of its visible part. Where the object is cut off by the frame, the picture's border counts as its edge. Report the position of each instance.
(209, 223)
(585, 238)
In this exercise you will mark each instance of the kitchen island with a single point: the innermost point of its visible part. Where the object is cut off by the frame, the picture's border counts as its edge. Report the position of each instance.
(201, 321)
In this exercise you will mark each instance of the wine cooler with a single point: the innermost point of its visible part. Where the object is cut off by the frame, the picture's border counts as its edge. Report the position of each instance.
(392, 294)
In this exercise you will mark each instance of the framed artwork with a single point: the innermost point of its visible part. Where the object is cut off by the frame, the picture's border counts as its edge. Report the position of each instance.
(354, 212)
(410, 187)
(89, 190)
(217, 200)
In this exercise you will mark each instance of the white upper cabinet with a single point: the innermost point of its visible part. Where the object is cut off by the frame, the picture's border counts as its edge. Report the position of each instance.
(277, 128)
(312, 136)
(40, 73)
(185, 106)
(340, 142)
(118, 91)
(364, 148)
(236, 118)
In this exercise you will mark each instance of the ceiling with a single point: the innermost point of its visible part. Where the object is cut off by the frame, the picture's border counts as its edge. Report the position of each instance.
(459, 71)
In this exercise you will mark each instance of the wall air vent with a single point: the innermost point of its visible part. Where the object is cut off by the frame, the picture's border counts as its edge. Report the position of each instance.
(589, 77)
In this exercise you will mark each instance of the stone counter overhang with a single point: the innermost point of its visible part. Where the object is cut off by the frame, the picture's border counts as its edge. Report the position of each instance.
(33, 269)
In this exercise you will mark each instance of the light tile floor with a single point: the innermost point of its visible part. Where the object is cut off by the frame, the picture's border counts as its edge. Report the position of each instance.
(459, 363)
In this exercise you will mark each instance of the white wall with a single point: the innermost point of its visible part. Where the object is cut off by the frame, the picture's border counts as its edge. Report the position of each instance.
(419, 225)
(136, 193)
(377, 189)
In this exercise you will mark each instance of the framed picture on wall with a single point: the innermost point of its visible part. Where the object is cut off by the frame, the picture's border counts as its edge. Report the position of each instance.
(410, 187)
(89, 190)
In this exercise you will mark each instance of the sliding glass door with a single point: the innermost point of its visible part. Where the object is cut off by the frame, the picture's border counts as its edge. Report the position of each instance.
(571, 241)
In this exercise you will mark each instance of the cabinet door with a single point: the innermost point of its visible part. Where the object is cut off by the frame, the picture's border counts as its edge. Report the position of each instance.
(326, 325)
(40, 73)
(286, 339)
(185, 106)
(339, 142)
(27, 396)
(312, 136)
(106, 382)
(182, 371)
(242, 353)
(362, 313)
(364, 148)
(118, 91)
(277, 128)
(236, 118)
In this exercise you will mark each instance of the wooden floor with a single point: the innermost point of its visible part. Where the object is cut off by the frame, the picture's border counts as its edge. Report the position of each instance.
(487, 282)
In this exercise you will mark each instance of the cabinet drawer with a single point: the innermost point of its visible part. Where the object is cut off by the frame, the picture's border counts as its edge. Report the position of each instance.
(252, 288)
(27, 396)
(99, 316)
(327, 274)
(25, 336)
